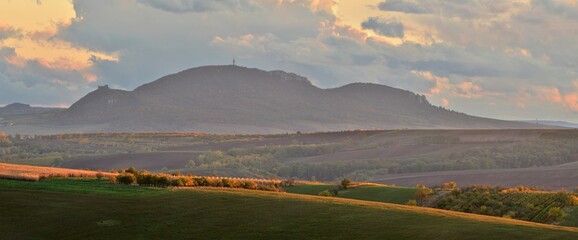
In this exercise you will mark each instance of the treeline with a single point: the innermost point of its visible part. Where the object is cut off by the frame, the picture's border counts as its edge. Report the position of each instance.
(265, 158)
(143, 178)
(535, 153)
(517, 203)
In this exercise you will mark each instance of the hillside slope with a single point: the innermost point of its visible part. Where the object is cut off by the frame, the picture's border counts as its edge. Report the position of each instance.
(24, 109)
(234, 99)
(119, 211)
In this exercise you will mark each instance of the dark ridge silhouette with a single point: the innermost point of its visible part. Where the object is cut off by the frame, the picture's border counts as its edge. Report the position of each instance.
(236, 99)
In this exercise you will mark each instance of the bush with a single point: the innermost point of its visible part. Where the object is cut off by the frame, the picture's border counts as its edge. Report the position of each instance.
(249, 185)
(325, 193)
(411, 202)
(450, 185)
(126, 179)
(555, 214)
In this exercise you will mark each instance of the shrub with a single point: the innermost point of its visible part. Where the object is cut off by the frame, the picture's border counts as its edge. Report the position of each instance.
(450, 185)
(555, 214)
(325, 193)
(126, 179)
(249, 185)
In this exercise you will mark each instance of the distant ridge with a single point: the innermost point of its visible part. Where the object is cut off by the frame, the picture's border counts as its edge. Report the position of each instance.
(552, 123)
(23, 109)
(235, 99)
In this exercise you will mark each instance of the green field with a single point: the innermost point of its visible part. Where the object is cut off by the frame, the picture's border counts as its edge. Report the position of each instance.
(88, 209)
(309, 189)
(384, 194)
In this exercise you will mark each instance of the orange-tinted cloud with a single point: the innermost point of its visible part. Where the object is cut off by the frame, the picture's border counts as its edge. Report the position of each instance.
(445, 102)
(568, 100)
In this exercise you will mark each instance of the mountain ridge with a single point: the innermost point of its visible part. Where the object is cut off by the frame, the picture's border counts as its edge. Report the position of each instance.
(235, 99)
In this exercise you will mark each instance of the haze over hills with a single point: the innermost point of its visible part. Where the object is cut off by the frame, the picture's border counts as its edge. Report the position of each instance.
(23, 109)
(234, 99)
(553, 123)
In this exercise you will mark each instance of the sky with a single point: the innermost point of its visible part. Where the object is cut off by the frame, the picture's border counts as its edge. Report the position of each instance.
(512, 60)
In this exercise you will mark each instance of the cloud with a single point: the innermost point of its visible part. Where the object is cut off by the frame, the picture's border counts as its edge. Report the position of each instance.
(465, 9)
(478, 55)
(568, 9)
(185, 6)
(384, 27)
(7, 31)
(39, 72)
(445, 102)
(568, 98)
(402, 6)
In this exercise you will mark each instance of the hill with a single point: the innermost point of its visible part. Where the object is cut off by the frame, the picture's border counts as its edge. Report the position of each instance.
(234, 99)
(149, 213)
(24, 109)
(553, 123)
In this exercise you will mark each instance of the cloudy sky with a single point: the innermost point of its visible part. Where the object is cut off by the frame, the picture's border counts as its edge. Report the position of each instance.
(504, 59)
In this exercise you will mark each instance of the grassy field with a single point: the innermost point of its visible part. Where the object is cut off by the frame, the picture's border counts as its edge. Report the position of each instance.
(384, 194)
(308, 189)
(64, 209)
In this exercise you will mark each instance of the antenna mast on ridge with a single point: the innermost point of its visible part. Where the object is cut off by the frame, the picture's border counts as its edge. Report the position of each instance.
(233, 60)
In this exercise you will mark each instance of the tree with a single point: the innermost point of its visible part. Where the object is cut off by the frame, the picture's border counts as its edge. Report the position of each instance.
(555, 214)
(450, 185)
(132, 170)
(191, 164)
(126, 179)
(345, 183)
(422, 195)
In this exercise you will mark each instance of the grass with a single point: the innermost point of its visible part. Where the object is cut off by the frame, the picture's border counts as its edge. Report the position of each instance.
(308, 189)
(119, 212)
(80, 185)
(384, 194)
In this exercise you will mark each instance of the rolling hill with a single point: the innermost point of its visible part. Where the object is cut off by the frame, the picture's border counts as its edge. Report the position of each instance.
(61, 208)
(234, 99)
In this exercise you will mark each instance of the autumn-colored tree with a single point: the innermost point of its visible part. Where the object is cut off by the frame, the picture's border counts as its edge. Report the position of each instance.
(422, 195)
(345, 183)
(450, 185)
